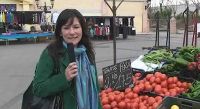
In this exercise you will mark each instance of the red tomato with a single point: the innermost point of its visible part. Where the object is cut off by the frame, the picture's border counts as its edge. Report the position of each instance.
(116, 92)
(127, 90)
(136, 100)
(143, 107)
(148, 87)
(104, 100)
(122, 105)
(173, 94)
(118, 98)
(106, 106)
(153, 85)
(179, 83)
(128, 105)
(113, 104)
(127, 100)
(158, 80)
(146, 83)
(122, 95)
(157, 89)
(111, 97)
(163, 77)
(167, 93)
(152, 79)
(158, 74)
(155, 105)
(141, 86)
(109, 90)
(175, 79)
(148, 76)
(137, 74)
(151, 100)
(103, 95)
(184, 85)
(129, 95)
(164, 84)
(136, 89)
(135, 95)
(164, 90)
(170, 80)
(178, 90)
(158, 98)
(134, 105)
(150, 107)
(171, 86)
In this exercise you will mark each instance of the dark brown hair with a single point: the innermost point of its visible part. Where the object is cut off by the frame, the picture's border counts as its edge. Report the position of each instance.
(55, 48)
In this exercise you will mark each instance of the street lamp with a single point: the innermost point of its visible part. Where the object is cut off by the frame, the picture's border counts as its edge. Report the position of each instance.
(45, 8)
(161, 2)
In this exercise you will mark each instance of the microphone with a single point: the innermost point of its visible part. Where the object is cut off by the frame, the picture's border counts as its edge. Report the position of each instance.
(70, 48)
(72, 58)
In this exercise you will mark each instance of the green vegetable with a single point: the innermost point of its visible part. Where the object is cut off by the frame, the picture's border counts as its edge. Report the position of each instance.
(157, 56)
(189, 57)
(179, 61)
(194, 92)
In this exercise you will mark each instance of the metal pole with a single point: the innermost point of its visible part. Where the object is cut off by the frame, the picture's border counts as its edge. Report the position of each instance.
(114, 9)
(114, 32)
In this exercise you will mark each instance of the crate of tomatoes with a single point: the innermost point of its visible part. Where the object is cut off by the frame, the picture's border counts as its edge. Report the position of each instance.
(128, 99)
(162, 84)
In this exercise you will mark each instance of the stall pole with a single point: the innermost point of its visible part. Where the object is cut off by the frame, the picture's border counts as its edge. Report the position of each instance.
(168, 33)
(186, 20)
(157, 29)
(114, 9)
(195, 20)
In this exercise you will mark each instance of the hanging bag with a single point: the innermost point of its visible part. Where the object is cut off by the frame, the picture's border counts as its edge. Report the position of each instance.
(30, 101)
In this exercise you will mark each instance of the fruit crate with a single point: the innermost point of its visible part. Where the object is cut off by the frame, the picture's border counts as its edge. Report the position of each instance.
(180, 102)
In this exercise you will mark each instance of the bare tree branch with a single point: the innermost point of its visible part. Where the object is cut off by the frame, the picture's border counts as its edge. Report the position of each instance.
(119, 4)
(108, 5)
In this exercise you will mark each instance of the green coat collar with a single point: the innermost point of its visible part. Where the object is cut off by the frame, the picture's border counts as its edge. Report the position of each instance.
(65, 58)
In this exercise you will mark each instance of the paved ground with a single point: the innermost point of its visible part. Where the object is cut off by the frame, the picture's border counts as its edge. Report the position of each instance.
(17, 61)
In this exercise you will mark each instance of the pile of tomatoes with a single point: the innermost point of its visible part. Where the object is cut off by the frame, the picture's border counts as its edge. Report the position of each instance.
(128, 99)
(160, 84)
(134, 98)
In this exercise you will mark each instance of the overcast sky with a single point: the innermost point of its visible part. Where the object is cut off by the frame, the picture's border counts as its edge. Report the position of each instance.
(174, 2)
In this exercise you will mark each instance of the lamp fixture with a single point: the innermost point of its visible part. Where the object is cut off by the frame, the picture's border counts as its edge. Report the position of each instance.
(45, 8)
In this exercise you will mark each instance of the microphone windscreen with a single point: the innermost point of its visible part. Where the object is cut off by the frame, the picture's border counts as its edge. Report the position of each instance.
(70, 48)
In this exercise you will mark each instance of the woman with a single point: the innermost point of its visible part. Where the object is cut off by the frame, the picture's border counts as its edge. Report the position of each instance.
(76, 81)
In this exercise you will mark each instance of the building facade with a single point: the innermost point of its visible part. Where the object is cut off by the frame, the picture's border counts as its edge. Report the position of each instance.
(134, 8)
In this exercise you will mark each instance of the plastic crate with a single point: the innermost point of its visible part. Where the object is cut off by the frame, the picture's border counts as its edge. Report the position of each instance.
(181, 102)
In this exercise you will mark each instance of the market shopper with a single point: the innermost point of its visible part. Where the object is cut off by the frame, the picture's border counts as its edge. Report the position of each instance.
(76, 81)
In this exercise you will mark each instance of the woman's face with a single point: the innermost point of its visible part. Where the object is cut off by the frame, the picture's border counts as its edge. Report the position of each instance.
(72, 33)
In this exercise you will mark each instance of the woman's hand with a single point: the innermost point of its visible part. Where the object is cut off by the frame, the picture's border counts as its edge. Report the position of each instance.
(71, 71)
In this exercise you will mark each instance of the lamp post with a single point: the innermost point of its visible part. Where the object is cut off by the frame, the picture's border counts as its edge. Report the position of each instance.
(45, 8)
(161, 2)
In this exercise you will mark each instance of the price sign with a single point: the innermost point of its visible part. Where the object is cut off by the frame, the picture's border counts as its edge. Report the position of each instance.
(118, 76)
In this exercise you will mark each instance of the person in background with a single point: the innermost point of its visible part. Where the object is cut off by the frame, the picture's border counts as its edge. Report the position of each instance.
(76, 81)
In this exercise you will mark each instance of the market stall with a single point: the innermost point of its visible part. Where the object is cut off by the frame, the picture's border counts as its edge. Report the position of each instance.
(22, 35)
(159, 79)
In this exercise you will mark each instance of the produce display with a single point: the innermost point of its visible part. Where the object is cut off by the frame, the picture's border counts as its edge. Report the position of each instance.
(184, 59)
(177, 78)
(128, 99)
(194, 92)
(161, 84)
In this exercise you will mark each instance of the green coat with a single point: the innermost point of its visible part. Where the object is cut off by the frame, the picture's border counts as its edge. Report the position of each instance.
(46, 83)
